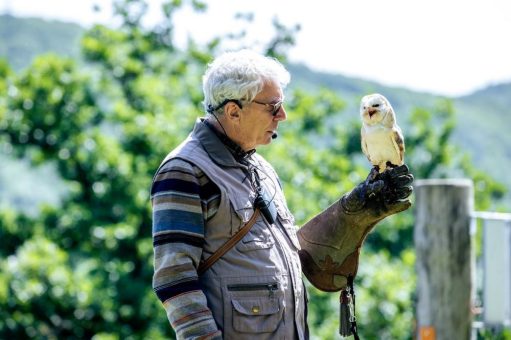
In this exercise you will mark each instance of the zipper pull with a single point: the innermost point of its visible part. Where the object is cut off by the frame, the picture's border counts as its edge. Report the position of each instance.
(272, 288)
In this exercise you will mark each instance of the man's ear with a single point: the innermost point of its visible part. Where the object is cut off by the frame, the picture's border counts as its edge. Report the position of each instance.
(232, 110)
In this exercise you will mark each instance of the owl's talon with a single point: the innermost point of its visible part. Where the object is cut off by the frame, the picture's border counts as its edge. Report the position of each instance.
(375, 171)
(390, 165)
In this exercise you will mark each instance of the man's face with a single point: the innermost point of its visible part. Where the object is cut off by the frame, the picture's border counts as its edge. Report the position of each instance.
(257, 124)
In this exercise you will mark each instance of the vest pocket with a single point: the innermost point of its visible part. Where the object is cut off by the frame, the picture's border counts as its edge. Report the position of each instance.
(256, 315)
(287, 222)
(254, 308)
(256, 239)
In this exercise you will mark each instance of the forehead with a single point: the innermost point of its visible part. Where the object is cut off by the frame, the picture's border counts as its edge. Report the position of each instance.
(271, 91)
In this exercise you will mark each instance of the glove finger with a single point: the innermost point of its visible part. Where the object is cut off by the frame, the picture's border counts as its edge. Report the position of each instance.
(398, 206)
(404, 192)
(374, 188)
(401, 181)
(373, 174)
(398, 171)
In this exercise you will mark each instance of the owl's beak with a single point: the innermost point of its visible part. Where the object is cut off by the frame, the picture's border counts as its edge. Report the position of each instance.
(371, 112)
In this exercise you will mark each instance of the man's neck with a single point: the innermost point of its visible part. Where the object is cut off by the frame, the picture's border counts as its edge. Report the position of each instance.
(237, 151)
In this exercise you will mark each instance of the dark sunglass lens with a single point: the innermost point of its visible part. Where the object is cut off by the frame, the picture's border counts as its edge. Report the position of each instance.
(276, 108)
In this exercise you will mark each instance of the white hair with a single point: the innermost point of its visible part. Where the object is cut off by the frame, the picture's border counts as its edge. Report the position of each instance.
(240, 75)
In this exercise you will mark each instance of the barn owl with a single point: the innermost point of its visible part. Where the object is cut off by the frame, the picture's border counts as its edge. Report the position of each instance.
(381, 137)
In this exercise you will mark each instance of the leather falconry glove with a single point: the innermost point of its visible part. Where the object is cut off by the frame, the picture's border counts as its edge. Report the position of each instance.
(331, 241)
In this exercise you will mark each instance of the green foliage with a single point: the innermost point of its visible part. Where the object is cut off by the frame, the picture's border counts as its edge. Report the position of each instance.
(494, 334)
(384, 301)
(82, 268)
(96, 241)
(386, 313)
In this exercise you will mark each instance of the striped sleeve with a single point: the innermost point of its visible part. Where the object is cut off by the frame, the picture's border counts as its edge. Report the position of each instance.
(183, 198)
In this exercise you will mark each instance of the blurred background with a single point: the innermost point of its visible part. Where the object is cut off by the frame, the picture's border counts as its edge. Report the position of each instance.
(94, 94)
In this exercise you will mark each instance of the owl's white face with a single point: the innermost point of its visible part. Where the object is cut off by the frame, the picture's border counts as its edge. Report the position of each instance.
(373, 108)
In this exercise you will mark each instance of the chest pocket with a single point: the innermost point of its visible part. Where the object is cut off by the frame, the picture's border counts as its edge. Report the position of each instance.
(257, 238)
(242, 209)
(287, 222)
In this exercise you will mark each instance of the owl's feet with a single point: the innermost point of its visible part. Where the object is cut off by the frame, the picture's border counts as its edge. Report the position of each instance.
(390, 165)
(373, 175)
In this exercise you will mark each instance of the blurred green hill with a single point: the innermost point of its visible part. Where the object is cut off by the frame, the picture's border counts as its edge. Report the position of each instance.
(23, 38)
(481, 124)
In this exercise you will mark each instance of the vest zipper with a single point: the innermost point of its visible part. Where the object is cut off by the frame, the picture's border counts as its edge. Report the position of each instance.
(246, 287)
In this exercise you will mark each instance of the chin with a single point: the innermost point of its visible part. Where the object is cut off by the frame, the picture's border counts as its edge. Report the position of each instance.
(267, 141)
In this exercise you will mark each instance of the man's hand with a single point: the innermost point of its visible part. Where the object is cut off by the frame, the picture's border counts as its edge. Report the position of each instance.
(379, 191)
(398, 184)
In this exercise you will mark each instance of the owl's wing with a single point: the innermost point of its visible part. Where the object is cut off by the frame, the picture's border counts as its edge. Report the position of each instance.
(390, 118)
(364, 143)
(399, 143)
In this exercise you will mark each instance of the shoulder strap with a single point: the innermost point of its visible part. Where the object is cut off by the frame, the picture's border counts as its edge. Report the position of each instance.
(205, 265)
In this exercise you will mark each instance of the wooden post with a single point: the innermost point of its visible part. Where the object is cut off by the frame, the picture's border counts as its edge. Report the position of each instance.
(444, 269)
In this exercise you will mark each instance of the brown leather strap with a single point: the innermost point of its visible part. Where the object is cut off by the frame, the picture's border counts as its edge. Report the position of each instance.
(205, 265)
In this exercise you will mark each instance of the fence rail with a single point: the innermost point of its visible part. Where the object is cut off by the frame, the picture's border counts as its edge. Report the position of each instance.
(488, 215)
(493, 269)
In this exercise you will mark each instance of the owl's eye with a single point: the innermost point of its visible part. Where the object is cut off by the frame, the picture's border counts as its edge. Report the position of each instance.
(376, 105)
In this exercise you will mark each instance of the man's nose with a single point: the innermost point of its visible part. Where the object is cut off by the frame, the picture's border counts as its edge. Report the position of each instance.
(281, 114)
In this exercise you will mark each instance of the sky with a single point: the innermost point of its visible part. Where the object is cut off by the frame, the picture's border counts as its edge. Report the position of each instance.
(447, 47)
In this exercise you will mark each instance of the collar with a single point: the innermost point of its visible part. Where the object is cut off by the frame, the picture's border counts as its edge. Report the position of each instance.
(219, 147)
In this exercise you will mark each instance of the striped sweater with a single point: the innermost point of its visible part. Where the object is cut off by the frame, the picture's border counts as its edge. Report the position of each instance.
(183, 199)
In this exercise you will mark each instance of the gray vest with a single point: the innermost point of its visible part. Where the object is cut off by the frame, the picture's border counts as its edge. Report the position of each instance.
(255, 290)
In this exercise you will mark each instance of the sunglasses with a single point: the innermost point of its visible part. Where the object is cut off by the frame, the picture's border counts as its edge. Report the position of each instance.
(274, 107)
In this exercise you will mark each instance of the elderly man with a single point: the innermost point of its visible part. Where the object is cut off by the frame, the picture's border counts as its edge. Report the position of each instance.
(215, 192)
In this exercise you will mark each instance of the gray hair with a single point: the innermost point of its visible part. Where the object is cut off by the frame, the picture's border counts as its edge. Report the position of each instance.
(239, 76)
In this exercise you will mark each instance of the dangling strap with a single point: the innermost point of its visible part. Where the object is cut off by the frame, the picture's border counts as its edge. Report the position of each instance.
(348, 321)
(205, 265)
